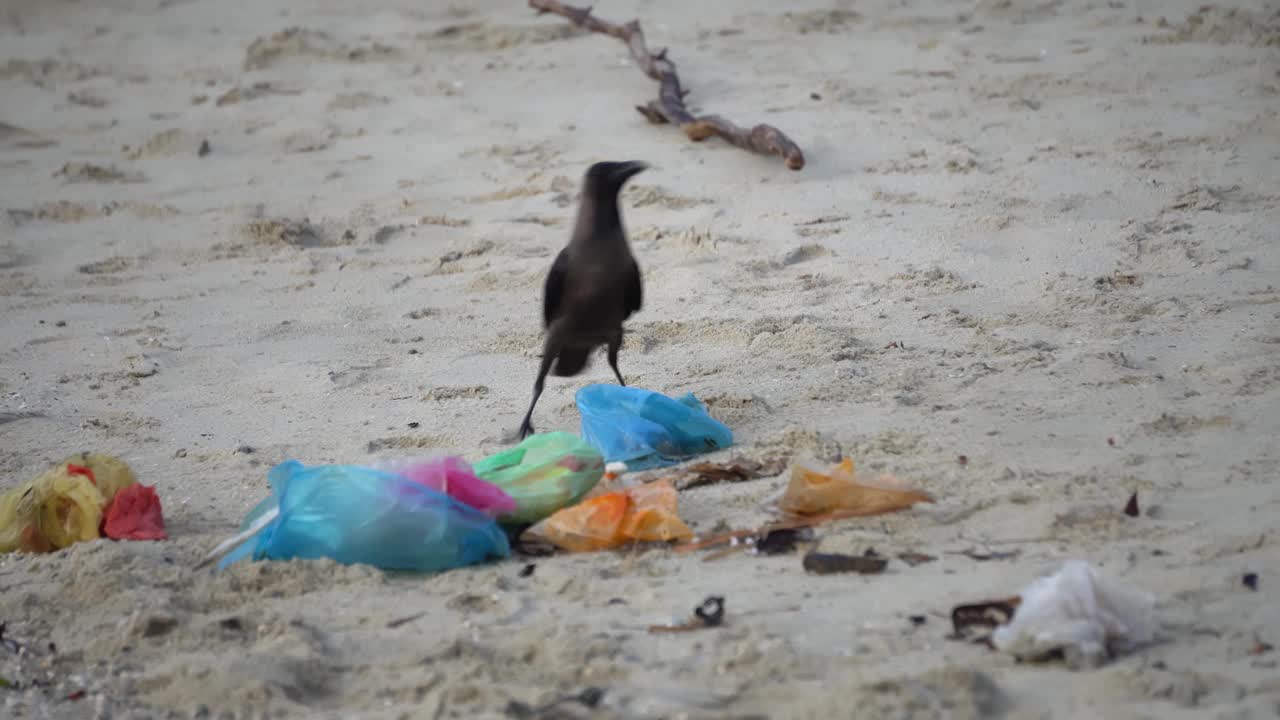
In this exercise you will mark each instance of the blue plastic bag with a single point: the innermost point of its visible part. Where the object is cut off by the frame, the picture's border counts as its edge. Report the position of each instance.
(360, 515)
(645, 429)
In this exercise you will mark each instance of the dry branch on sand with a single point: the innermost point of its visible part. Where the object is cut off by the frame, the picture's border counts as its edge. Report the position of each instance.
(670, 107)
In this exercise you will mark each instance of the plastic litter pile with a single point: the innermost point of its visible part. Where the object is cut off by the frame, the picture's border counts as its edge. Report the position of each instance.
(430, 514)
(433, 514)
(84, 497)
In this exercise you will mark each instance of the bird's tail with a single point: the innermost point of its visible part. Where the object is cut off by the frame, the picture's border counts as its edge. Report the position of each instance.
(571, 361)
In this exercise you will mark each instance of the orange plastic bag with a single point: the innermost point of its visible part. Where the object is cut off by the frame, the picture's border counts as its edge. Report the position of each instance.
(813, 491)
(645, 513)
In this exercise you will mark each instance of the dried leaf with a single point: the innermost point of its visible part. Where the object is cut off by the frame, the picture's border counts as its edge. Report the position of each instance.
(829, 563)
(1131, 507)
(789, 522)
(989, 614)
(707, 615)
(973, 554)
(782, 540)
(736, 470)
(589, 698)
(404, 620)
(915, 558)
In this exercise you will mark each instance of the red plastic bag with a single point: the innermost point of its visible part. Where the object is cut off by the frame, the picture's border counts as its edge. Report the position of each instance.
(134, 514)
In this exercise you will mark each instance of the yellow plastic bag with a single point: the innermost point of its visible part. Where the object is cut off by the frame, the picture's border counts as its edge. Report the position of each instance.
(813, 491)
(645, 513)
(63, 505)
(110, 474)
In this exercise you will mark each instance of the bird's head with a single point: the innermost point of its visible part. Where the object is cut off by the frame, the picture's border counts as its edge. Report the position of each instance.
(604, 179)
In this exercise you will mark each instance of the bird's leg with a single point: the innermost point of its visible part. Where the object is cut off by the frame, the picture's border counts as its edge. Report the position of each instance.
(549, 352)
(614, 346)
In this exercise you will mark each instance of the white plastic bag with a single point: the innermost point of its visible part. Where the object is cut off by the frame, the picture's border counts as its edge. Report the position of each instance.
(1078, 611)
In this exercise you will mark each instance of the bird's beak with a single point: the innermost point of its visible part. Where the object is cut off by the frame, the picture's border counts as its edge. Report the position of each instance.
(628, 170)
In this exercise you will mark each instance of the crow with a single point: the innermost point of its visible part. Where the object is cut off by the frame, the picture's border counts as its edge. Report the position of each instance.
(593, 285)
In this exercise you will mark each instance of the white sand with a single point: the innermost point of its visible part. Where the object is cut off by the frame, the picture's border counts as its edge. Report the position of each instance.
(1063, 213)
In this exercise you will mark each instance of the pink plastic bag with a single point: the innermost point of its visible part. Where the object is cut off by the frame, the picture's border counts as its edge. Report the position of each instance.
(453, 477)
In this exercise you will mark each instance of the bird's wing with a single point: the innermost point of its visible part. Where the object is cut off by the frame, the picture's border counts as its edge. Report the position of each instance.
(634, 295)
(554, 288)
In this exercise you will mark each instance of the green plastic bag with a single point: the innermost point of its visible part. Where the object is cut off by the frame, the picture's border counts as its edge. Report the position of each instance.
(543, 474)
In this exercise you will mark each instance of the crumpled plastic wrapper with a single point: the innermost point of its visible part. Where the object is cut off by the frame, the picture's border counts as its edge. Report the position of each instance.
(1079, 612)
(643, 513)
(645, 429)
(452, 476)
(813, 491)
(544, 473)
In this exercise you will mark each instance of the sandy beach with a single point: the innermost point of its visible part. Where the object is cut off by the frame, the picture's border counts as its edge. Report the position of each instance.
(1032, 265)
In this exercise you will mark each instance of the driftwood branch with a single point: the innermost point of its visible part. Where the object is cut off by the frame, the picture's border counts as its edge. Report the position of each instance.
(670, 107)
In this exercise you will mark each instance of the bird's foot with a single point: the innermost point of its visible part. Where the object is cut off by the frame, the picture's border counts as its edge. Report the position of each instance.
(526, 429)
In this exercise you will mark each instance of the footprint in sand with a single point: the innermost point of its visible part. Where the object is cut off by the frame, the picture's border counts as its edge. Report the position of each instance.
(12, 136)
(47, 74)
(736, 409)
(822, 226)
(828, 21)
(59, 211)
(75, 172)
(109, 266)
(486, 37)
(357, 101)
(252, 92)
(805, 253)
(306, 141)
(280, 233)
(691, 241)
(164, 144)
(446, 393)
(646, 195)
(301, 44)
(1168, 424)
(1220, 26)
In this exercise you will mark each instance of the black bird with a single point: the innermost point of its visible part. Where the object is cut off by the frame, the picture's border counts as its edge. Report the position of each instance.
(594, 283)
